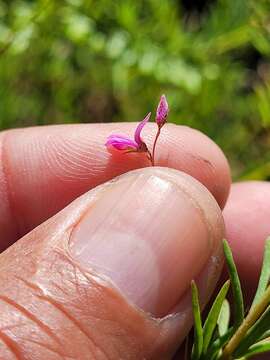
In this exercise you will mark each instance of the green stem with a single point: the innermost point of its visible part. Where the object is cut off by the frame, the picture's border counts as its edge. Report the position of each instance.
(154, 146)
(255, 312)
(150, 157)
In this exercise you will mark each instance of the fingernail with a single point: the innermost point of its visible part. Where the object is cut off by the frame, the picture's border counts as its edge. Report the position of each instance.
(147, 236)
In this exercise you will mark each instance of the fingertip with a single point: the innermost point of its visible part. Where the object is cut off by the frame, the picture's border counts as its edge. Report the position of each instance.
(246, 216)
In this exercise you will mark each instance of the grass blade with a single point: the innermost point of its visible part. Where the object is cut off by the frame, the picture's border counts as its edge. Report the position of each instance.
(265, 273)
(236, 286)
(224, 318)
(211, 320)
(198, 331)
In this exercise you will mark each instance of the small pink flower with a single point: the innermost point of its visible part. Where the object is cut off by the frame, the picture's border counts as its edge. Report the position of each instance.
(162, 111)
(124, 143)
(121, 142)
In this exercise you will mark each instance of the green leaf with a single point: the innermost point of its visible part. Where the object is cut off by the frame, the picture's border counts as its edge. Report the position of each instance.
(218, 344)
(265, 273)
(259, 348)
(255, 315)
(198, 331)
(224, 318)
(211, 320)
(236, 286)
(265, 335)
(254, 334)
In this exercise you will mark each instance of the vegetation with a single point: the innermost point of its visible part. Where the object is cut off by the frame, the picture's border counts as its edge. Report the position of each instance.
(226, 337)
(92, 61)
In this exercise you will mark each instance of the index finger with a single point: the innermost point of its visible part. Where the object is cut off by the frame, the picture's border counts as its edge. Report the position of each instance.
(43, 169)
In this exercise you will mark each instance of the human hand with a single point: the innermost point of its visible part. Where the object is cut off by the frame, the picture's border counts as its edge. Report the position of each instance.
(69, 286)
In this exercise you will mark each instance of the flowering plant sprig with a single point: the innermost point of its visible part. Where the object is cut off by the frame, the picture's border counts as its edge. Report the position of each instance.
(127, 145)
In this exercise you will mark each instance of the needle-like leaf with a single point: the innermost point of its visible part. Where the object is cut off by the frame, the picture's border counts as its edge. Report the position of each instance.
(256, 349)
(236, 286)
(198, 331)
(224, 318)
(211, 320)
(265, 335)
(265, 274)
(254, 334)
(218, 344)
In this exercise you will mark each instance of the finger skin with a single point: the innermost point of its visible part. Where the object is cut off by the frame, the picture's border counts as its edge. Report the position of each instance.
(246, 216)
(52, 307)
(43, 169)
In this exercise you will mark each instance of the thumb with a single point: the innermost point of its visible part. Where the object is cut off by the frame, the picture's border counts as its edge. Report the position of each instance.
(108, 277)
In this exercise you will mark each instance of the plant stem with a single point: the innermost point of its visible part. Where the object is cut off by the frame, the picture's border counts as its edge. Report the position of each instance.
(253, 315)
(150, 157)
(155, 143)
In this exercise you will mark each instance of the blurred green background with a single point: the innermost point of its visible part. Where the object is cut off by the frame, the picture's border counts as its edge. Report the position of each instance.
(100, 61)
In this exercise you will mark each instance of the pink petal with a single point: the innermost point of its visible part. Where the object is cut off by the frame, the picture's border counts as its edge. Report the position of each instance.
(162, 111)
(121, 142)
(137, 135)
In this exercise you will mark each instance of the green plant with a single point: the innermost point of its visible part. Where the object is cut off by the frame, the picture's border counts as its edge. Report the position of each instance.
(238, 337)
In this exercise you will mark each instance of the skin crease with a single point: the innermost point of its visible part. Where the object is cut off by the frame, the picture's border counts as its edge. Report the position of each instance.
(43, 290)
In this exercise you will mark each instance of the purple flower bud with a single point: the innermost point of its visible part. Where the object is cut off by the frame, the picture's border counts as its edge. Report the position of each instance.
(162, 111)
(124, 143)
